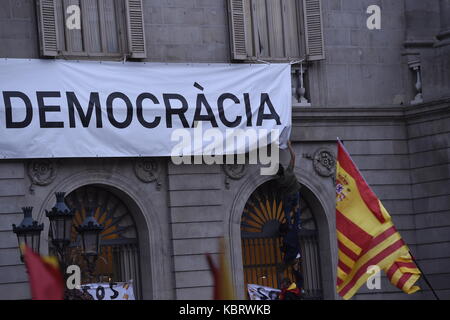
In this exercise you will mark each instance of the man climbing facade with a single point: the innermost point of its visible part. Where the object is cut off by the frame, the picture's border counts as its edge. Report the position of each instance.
(289, 187)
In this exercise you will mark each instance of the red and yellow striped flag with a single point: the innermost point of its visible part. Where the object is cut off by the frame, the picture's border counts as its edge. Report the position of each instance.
(223, 287)
(366, 235)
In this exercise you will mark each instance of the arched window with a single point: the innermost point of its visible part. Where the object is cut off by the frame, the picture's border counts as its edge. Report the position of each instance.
(119, 251)
(261, 241)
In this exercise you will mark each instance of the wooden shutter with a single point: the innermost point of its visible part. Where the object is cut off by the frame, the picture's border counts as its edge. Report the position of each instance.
(276, 33)
(135, 26)
(312, 12)
(48, 28)
(237, 27)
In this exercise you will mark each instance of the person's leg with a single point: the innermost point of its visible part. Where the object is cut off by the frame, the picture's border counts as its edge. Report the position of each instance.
(298, 273)
(297, 211)
(287, 204)
(281, 269)
(297, 221)
(290, 203)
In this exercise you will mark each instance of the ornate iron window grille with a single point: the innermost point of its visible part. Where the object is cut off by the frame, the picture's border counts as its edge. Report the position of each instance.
(261, 242)
(119, 252)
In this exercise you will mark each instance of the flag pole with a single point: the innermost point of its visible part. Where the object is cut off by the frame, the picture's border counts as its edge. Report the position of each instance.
(424, 276)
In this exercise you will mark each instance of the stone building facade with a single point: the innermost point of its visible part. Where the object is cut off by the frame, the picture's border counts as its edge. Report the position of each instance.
(385, 93)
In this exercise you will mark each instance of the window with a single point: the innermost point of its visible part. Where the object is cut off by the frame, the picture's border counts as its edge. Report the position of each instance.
(106, 28)
(276, 29)
(261, 242)
(119, 248)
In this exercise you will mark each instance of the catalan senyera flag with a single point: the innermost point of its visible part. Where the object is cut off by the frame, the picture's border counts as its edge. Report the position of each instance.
(366, 235)
(46, 281)
(223, 286)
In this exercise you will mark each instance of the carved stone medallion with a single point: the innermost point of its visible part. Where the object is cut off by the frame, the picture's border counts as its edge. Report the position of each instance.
(148, 170)
(324, 162)
(233, 171)
(42, 172)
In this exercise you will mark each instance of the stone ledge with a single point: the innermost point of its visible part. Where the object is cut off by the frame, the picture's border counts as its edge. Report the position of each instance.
(394, 112)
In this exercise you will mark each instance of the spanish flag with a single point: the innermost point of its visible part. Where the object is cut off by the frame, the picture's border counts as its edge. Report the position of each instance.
(366, 235)
(223, 287)
(46, 281)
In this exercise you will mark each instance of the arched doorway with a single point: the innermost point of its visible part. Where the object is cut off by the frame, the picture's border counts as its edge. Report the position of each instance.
(261, 241)
(119, 251)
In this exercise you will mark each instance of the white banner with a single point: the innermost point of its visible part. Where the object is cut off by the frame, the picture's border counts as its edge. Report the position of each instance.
(257, 292)
(56, 108)
(110, 291)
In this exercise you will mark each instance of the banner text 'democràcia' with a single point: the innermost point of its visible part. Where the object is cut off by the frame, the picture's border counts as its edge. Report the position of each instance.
(56, 108)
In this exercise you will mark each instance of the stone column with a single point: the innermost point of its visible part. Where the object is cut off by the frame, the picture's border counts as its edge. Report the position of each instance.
(415, 66)
(298, 86)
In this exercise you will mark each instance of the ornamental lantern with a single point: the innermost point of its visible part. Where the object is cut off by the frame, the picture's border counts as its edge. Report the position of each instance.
(60, 217)
(90, 231)
(28, 231)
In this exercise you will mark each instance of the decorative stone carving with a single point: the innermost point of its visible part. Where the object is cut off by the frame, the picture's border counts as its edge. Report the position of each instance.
(298, 89)
(415, 66)
(42, 172)
(148, 170)
(233, 171)
(324, 162)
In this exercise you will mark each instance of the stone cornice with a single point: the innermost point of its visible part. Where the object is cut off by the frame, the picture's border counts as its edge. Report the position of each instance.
(347, 113)
(435, 108)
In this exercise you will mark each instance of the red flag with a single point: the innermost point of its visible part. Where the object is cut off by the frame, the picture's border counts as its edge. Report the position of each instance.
(46, 281)
(223, 288)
